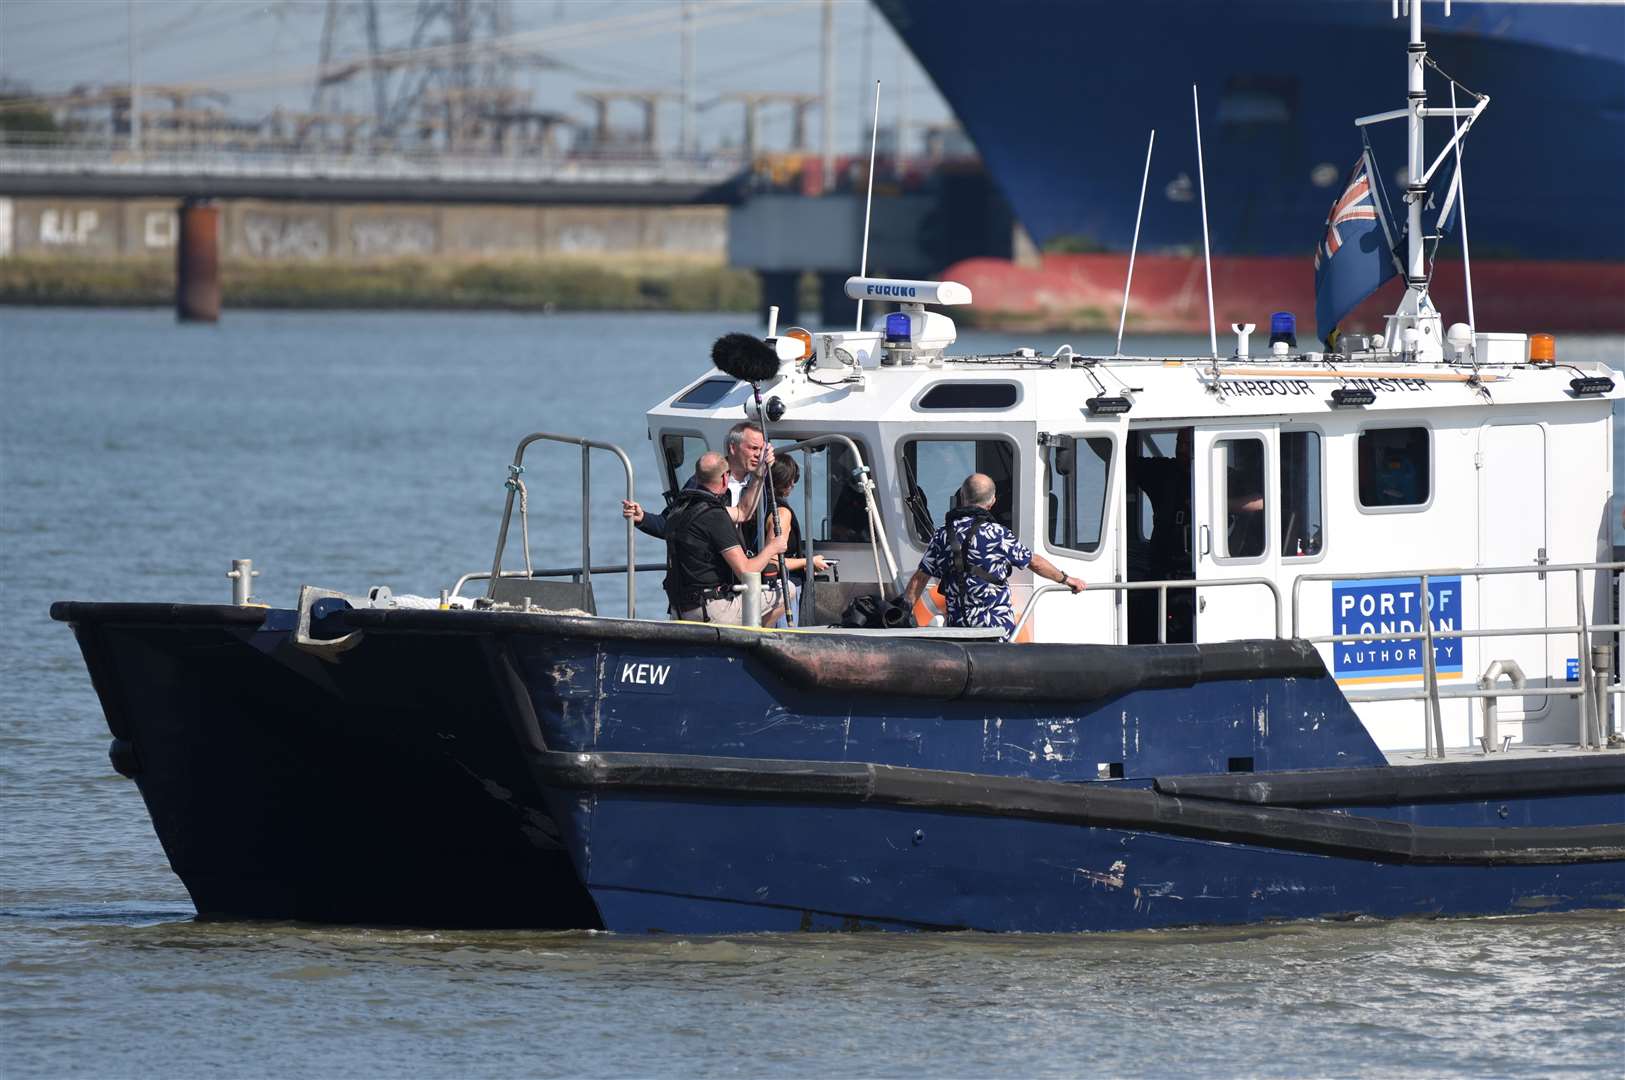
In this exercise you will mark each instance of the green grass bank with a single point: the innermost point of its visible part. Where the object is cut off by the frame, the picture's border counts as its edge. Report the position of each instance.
(575, 283)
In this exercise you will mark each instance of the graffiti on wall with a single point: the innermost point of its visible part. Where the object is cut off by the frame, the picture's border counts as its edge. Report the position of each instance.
(158, 228)
(393, 236)
(67, 228)
(275, 236)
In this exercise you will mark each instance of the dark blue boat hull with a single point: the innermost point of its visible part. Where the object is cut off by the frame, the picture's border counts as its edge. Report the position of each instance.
(735, 866)
(459, 768)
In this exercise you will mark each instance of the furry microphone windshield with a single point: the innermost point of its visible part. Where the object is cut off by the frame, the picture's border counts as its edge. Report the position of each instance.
(746, 357)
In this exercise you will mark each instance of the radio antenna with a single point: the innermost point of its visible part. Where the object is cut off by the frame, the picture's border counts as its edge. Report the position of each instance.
(869, 202)
(1135, 246)
(1207, 251)
(1461, 208)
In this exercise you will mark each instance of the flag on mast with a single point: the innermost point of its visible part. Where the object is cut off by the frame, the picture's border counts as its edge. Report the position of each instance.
(1356, 254)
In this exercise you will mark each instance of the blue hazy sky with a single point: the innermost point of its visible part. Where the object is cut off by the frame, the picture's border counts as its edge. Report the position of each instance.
(264, 54)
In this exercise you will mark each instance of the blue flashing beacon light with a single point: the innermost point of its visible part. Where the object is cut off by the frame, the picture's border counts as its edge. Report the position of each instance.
(1283, 327)
(897, 328)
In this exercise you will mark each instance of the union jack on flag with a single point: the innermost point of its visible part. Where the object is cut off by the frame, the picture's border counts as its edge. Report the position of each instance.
(1355, 204)
(1356, 255)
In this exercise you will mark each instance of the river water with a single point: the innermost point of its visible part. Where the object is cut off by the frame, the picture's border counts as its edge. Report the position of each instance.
(137, 458)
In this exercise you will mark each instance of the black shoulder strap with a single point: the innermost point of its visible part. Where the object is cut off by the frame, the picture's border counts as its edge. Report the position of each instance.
(963, 567)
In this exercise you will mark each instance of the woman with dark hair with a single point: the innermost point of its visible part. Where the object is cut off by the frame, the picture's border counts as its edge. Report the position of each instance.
(785, 473)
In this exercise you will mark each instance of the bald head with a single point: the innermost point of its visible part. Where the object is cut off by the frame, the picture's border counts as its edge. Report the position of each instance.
(977, 490)
(711, 468)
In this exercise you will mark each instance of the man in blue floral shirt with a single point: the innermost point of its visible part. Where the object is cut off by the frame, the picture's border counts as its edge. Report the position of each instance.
(974, 556)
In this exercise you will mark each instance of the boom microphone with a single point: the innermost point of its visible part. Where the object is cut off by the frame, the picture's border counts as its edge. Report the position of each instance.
(750, 359)
(746, 357)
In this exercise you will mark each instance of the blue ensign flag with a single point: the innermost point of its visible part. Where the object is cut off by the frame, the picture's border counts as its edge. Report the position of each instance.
(1355, 256)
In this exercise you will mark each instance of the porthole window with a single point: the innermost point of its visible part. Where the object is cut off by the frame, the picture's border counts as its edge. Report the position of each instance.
(1395, 467)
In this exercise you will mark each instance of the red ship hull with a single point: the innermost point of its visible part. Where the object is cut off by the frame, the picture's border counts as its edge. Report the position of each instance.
(1085, 292)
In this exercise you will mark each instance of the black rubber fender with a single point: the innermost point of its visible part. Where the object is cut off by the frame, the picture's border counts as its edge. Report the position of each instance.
(126, 762)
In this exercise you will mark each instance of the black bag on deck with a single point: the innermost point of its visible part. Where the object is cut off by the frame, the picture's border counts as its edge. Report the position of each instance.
(869, 612)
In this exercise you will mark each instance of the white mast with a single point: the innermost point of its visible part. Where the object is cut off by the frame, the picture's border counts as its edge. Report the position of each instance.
(1415, 327)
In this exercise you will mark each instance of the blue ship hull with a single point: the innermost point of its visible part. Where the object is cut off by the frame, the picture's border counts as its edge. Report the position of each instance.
(461, 768)
(1059, 96)
(742, 866)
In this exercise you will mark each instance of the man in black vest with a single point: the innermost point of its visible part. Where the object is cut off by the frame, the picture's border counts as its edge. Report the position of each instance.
(704, 554)
(749, 457)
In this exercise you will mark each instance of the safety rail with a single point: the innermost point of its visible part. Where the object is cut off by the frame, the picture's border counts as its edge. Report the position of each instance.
(879, 543)
(1592, 688)
(516, 487)
(1162, 588)
(572, 572)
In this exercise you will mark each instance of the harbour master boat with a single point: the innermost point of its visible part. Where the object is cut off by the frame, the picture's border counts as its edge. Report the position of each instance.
(1365, 668)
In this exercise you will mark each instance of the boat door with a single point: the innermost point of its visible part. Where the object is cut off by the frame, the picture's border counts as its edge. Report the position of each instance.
(1157, 536)
(1236, 520)
(1512, 532)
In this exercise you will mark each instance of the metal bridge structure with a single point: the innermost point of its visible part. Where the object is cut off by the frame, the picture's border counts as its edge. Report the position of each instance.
(106, 172)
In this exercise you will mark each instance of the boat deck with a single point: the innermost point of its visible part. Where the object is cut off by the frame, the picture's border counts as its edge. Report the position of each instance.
(1515, 752)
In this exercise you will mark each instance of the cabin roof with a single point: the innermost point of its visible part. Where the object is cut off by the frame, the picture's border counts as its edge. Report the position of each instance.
(1158, 388)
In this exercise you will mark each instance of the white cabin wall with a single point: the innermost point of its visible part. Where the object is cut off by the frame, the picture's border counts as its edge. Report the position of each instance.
(1579, 487)
(1443, 534)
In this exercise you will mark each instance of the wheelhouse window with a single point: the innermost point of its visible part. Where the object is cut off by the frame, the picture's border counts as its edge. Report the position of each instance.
(1238, 480)
(934, 469)
(703, 395)
(828, 474)
(1078, 473)
(679, 453)
(1395, 467)
(1303, 512)
(969, 395)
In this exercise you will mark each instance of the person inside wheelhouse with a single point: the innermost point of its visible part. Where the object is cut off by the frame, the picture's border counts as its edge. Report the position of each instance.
(1164, 554)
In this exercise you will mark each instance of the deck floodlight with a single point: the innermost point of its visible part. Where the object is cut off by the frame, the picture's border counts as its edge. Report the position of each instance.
(1352, 395)
(1108, 406)
(1591, 384)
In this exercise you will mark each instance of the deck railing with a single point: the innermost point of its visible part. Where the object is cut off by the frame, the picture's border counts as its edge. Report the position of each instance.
(1591, 690)
(516, 489)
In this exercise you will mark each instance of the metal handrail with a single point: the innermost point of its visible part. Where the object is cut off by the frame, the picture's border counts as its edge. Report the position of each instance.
(1590, 732)
(879, 542)
(1461, 571)
(587, 446)
(1162, 588)
(552, 572)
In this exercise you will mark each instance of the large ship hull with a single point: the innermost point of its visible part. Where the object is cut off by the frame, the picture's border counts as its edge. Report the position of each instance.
(1059, 96)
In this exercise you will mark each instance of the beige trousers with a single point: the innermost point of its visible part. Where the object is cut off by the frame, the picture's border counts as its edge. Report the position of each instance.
(730, 612)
